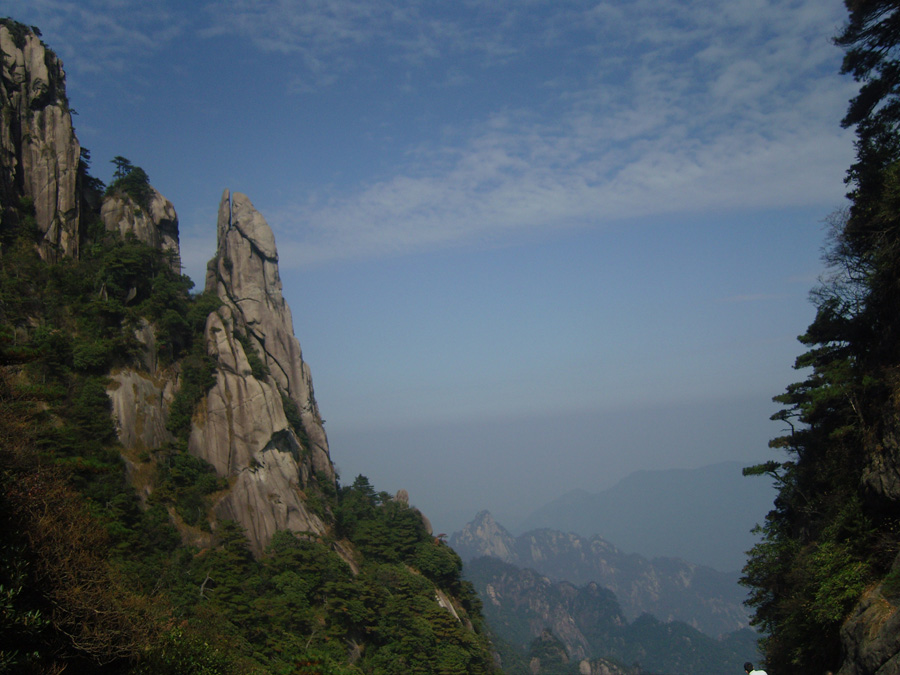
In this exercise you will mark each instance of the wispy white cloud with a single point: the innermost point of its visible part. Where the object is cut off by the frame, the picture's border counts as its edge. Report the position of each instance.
(103, 36)
(648, 108)
(721, 105)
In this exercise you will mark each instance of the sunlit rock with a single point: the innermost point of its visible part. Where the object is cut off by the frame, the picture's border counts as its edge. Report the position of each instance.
(40, 151)
(156, 225)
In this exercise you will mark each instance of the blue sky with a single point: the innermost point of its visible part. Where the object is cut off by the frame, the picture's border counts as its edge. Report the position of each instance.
(529, 246)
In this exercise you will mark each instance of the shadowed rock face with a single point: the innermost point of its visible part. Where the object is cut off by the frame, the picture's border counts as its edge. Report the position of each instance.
(40, 151)
(870, 635)
(243, 429)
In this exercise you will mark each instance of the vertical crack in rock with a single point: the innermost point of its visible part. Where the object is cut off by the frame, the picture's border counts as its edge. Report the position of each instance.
(261, 425)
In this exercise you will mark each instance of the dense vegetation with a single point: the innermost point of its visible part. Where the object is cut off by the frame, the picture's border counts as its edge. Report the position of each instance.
(834, 531)
(95, 579)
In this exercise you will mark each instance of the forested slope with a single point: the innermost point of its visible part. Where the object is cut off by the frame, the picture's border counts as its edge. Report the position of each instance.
(825, 580)
(125, 526)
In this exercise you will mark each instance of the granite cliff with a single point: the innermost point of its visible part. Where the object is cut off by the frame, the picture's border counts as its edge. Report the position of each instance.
(260, 427)
(40, 154)
(167, 495)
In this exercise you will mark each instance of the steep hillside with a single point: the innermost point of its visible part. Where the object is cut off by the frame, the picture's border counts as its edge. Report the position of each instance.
(668, 588)
(167, 495)
(824, 579)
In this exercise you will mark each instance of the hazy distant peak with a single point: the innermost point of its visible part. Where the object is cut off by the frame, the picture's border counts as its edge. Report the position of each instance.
(484, 536)
(669, 588)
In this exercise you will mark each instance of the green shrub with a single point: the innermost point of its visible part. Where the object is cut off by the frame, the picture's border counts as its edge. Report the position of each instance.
(258, 367)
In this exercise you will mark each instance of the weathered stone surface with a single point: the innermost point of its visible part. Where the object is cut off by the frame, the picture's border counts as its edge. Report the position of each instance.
(243, 428)
(156, 226)
(484, 536)
(243, 433)
(604, 667)
(40, 151)
(140, 405)
(871, 634)
(244, 274)
(242, 413)
(266, 497)
(141, 397)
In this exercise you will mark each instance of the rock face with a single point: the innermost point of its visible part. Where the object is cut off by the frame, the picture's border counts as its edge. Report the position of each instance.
(40, 152)
(156, 226)
(259, 424)
(871, 634)
(668, 588)
(529, 605)
(141, 396)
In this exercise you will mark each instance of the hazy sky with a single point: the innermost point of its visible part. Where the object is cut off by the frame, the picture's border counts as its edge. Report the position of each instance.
(529, 245)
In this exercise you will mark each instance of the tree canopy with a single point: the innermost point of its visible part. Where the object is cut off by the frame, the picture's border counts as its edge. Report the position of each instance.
(833, 529)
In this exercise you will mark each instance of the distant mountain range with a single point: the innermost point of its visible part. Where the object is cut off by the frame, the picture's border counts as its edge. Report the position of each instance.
(701, 515)
(670, 589)
(526, 609)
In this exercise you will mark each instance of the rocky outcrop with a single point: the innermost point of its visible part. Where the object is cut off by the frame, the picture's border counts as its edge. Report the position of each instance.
(156, 225)
(40, 152)
(140, 405)
(870, 636)
(484, 536)
(604, 667)
(668, 588)
(244, 274)
(259, 424)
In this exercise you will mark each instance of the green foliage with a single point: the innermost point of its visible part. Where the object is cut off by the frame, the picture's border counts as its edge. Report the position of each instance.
(131, 180)
(438, 562)
(96, 577)
(391, 534)
(551, 653)
(832, 533)
(258, 368)
(180, 652)
(292, 412)
(198, 375)
(21, 623)
(18, 31)
(90, 185)
(185, 482)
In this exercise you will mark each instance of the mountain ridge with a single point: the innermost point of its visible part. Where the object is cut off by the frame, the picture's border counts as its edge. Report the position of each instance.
(668, 588)
(522, 606)
(704, 515)
(167, 495)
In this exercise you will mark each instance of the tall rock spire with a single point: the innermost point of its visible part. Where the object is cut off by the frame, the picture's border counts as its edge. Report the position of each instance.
(261, 424)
